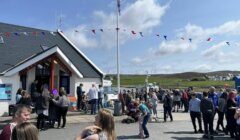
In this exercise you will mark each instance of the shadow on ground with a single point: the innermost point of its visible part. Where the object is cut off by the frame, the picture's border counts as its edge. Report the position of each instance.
(128, 137)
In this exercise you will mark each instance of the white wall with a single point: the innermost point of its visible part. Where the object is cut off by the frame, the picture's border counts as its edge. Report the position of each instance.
(15, 81)
(87, 83)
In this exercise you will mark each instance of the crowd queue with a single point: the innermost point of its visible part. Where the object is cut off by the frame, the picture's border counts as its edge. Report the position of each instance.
(139, 106)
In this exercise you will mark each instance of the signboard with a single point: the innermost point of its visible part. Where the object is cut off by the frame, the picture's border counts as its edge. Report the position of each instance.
(5, 91)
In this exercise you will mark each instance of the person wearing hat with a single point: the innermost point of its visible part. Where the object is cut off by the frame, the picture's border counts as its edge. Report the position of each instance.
(194, 107)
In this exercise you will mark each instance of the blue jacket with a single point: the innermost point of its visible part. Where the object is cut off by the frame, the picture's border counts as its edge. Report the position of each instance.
(214, 98)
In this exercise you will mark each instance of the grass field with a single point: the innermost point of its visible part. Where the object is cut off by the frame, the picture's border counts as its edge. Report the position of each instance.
(169, 82)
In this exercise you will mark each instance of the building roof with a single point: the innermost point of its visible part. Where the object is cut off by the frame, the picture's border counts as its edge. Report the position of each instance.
(21, 43)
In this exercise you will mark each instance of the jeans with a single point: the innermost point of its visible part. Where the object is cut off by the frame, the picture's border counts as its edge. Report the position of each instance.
(93, 106)
(169, 111)
(208, 122)
(62, 114)
(195, 115)
(144, 124)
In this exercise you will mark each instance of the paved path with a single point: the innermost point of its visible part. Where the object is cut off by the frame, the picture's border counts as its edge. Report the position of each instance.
(179, 129)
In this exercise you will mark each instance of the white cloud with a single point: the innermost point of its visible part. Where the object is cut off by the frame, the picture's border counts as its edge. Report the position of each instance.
(174, 46)
(140, 16)
(79, 38)
(137, 60)
(203, 68)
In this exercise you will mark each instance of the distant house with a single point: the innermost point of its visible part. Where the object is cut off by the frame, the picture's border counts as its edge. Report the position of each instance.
(27, 54)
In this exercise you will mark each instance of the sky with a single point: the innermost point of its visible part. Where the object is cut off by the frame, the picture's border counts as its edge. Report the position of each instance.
(178, 20)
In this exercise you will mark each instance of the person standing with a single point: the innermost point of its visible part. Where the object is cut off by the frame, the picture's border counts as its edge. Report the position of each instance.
(194, 107)
(146, 115)
(231, 109)
(63, 104)
(185, 99)
(93, 96)
(100, 97)
(80, 93)
(167, 106)
(221, 110)
(42, 106)
(207, 109)
(34, 91)
(21, 114)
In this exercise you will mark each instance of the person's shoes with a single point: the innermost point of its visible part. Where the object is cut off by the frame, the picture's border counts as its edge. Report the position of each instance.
(63, 127)
(200, 131)
(147, 136)
(58, 127)
(205, 136)
(211, 137)
(195, 131)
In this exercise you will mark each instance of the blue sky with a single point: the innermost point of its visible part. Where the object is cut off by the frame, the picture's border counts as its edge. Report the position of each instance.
(199, 20)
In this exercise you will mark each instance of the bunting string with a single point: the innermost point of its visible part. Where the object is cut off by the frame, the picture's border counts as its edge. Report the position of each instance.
(95, 32)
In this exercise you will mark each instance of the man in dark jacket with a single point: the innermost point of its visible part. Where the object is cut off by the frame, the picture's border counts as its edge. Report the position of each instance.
(80, 93)
(167, 106)
(207, 109)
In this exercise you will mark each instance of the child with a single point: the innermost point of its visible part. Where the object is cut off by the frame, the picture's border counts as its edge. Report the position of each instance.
(140, 121)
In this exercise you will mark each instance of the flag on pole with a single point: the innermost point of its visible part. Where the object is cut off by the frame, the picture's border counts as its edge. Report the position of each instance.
(118, 7)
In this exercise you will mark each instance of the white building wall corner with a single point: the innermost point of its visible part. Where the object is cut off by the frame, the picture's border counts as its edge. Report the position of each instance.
(15, 81)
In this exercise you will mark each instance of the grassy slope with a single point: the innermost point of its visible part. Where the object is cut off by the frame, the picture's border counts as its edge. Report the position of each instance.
(170, 81)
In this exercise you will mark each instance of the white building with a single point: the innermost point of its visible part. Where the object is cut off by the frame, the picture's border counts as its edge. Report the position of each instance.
(27, 54)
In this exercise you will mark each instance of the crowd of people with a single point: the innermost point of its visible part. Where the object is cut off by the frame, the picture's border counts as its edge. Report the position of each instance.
(140, 106)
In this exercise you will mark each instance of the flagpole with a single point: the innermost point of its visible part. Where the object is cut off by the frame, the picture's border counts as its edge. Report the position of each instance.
(118, 55)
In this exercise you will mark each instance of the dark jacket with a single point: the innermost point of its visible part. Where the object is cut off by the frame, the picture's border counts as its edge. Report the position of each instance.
(42, 102)
(206, 106)
(167, 101)
(79, 91)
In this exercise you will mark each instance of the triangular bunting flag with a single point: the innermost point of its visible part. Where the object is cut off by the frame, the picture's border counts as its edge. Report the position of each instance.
(228, 43)
(101, 30)
(165, 37)
(94, 31)
(209, 39)
(133, 32)
(141, 34)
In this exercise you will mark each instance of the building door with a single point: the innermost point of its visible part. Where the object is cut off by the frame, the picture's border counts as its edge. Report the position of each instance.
(64, 81)
(23, 79)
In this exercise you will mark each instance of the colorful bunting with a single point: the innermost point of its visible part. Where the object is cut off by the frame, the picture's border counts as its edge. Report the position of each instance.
(133, 32)
(182, 38)
(190, 39)
(209, 39)
(94, 32)
(34, 33)
(43, 33)
(101, 30)
(165, 37)
(157, 35)
(141, 34)
(228, 43)
(76, 31)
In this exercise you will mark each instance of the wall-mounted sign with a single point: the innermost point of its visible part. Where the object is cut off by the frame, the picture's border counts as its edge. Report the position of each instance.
(5, 91)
